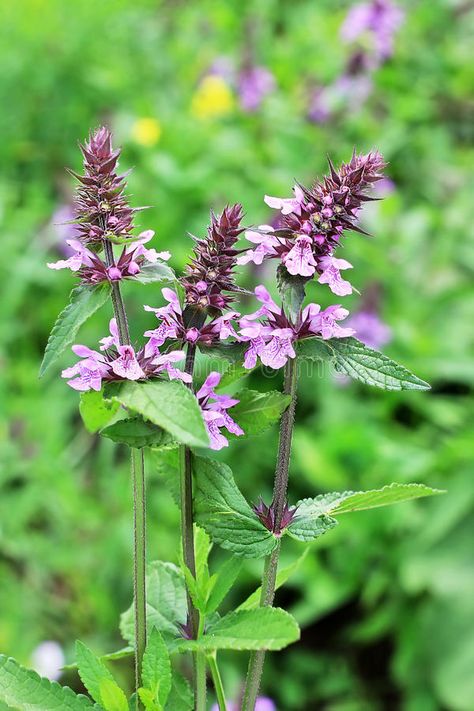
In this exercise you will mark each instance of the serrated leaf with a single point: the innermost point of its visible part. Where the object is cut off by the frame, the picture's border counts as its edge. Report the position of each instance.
(223, 582)
(96, 410)
(225, 514)
(181, 695)
(256, 411)
(137, 432)
(292, 291)
(84, 301)
(268, 628)
(168, 404)
(148, 701)
(112, 696)
(91, 670)
(151, 273)
(25, 690)
(306, 526)
(156, 668)
(353, 358)
(166, 602)
(202, 548)
(253, 600)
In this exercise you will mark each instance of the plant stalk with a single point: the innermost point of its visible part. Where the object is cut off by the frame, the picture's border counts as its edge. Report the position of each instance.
(187, 535)
(139, 497)
(217, 681)
(280, 487)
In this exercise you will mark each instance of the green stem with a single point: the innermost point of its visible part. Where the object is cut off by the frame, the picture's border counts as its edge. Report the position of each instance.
(255, 668)
(139, 497)
(187, 536)
(139, 558)
(217, 680)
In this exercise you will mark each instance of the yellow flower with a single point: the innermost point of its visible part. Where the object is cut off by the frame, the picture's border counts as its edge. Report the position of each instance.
(212, 98)
(146, 131)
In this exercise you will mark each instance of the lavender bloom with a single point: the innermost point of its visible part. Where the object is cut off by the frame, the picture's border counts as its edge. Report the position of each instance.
(63, 228)
(120, 362)
(369, 328)
(172, 326)
(93, 270)
(253, 84)
(314, 220)
(380, 20)
(209, 281)
(214, 411)
(263, 703)
(271, 335)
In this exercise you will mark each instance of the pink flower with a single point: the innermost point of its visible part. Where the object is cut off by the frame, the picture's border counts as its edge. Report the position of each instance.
(214, 411)
(331, 275)
(265, 242)
(81, 257)
(278, 349)
(300, 260)
(286, 205)
(88, 373)
(126, 365)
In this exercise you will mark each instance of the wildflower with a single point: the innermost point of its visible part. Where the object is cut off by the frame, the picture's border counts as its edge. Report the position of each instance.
(263, 703)
(213, 98)
(146, 131)
(93, 270)
(48, 659)
(369, 328)
(378, 21)
(253, 84)
(314, 220)
(120, 362)
(209, 280)
(271, 335)
(214, 411)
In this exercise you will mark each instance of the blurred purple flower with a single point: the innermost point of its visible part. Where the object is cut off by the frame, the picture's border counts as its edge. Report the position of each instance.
(263, 703)
(253, 84)
(369, 328)
(380, 19)
(64, 229)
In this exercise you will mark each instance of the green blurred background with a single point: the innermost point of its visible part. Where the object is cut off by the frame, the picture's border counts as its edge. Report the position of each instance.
(386, 601)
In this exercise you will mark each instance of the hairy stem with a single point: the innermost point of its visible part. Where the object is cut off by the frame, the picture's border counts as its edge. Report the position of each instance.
(139, 497)
(187, 535)
(280, 487)
(217, 681)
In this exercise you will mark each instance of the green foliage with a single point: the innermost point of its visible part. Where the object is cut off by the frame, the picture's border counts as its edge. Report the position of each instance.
(283, 575)
(225, 514)
(166, 602)
(181, 695)
(96, 410)
(24, 690)
(265, 628)
(156, 670)
(152, 273)
(111, 696)
(351, 357)
(170, 405)
(137, 432)
(92, 672)
(84, 301)
(256, 411)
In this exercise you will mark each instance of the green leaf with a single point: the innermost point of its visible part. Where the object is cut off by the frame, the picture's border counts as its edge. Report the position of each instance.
(96, 410)
(24, 690)
(83, 302)
(283, 575)
(223, 582)
(148, 700)
(168, 404)
(225, 514)
(312, 520)
(137, 432)
(256, 411)
(151, 273)
(353, 358)
(267, 628)
(91, 670)
(202, 548)
(181, 695)
(292, 291)
(166, 602)
(112, 696)
(156, 668)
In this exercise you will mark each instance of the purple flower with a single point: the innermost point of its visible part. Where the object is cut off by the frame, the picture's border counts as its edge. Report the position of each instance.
(380, 20)
(214, 411)
(271, 335)
(370, 329)
(120, 362)
(263, 703)
(253, 84)
(314, 220)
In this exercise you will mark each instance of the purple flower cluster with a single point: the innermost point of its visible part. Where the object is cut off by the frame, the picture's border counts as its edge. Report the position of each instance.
(102, 216)
(252, 83)
(378, 21)
(314, 220)
(120, 362)
(271, 335)
(214, 411)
